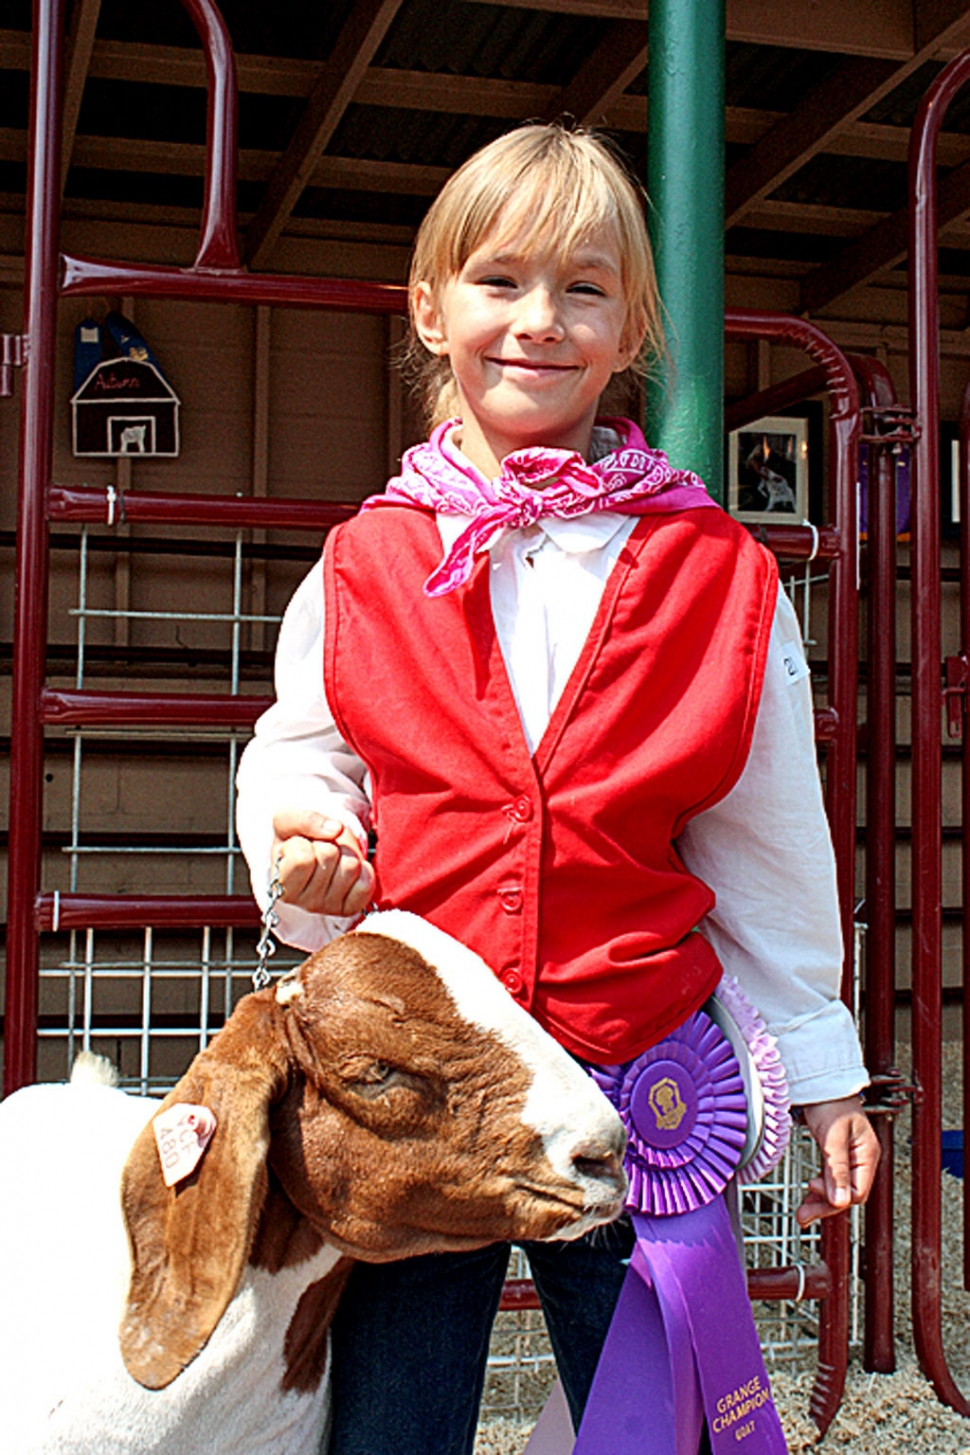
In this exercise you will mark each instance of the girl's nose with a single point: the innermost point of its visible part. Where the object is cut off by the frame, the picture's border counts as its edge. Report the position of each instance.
(538, 316)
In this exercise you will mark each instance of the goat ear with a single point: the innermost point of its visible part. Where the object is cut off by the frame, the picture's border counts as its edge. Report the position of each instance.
(189, 1243)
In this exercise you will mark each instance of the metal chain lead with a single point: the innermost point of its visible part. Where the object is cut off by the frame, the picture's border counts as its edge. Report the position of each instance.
(266, 945)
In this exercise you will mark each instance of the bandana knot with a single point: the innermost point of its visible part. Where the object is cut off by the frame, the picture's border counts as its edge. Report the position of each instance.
(532, 484)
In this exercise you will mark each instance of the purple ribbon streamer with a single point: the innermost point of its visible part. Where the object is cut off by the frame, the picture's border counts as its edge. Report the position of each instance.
(682, 1346)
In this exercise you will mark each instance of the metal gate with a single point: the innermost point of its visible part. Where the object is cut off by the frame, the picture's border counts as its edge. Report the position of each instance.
(174, 963)
(926, 1090)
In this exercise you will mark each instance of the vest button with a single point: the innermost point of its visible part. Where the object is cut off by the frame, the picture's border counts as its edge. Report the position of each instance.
(520, 810)
(512, 981)
(510, 898)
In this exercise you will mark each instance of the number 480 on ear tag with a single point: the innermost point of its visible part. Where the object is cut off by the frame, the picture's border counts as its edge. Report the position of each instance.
(182, 1133)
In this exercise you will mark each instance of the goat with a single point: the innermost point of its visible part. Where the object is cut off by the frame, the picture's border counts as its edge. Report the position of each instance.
(388, 1098)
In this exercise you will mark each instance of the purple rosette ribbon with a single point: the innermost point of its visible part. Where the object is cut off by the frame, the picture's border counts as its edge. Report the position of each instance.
(682, 1347)
(686, 1115)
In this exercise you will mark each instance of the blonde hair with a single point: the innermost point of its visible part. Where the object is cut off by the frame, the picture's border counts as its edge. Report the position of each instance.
(560, 184)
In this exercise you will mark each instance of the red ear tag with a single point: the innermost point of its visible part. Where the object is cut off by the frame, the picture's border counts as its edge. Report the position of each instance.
(182, 1132)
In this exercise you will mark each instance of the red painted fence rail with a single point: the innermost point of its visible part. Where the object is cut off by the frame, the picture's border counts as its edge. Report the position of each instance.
(217, 276)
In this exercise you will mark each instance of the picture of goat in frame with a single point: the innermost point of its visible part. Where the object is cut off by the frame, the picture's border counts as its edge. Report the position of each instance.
(768, 471)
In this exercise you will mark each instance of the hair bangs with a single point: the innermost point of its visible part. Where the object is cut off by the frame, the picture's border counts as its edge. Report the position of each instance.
(545, 189)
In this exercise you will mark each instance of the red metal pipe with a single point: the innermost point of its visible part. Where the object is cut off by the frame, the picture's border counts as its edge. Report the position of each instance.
(843, 650)
(880, 895)
(924, 340)
(145, 709)
(799, 542)
(843, 640)
(30, 608)
(218, 245)
(108, 507)
(160, 911)
(778, 396)
(81, 277)
(964, 498)
(769, 1284)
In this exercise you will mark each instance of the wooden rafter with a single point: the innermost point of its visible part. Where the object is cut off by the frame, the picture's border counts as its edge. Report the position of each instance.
(80, 44)
(844, 94)
(605, 74)
(939, 22)
(882, 246)
(851, 27)
(366, 26)
(449, 93)
(187, 159)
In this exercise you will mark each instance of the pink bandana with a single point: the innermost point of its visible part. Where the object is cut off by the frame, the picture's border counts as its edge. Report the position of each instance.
(632, 480)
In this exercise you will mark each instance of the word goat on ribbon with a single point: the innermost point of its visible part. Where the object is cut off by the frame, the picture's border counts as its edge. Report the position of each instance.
(706, 1104)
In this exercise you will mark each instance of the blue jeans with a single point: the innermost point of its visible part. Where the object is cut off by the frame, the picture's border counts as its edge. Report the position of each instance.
(410, 1340)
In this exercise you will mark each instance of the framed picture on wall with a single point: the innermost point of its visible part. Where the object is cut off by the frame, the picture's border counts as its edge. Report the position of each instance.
(768, 468)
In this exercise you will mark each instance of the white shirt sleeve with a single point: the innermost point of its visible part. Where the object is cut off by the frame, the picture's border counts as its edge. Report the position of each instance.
(766, 852)
(298, 759)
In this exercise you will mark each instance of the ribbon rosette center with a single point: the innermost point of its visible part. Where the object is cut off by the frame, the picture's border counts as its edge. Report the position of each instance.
(684, 1108)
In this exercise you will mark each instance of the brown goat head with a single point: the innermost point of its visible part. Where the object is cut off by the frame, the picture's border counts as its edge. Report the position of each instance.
(379, 1100)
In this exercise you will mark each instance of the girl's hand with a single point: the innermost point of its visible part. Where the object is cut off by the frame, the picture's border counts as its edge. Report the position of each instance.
(321, 867)
(850, 1156)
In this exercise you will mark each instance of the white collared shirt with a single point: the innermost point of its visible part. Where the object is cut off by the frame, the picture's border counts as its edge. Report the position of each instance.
(764, 849)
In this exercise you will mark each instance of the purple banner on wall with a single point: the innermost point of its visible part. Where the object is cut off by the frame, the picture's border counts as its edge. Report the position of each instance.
(902, 490)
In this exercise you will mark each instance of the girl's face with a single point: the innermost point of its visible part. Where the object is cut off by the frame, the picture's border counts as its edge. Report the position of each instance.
(532, 341)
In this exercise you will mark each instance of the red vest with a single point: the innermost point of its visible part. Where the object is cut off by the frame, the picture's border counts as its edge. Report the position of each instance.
(560, 869)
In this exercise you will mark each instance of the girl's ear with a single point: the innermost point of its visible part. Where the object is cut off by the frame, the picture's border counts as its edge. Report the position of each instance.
(428, 321)
(631, 342)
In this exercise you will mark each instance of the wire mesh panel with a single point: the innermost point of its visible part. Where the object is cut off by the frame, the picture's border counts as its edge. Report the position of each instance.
(773, 1239)
(149, 1002)
(148, 810)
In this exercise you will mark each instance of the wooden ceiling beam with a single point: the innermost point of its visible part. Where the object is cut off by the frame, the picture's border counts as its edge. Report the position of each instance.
(605, 74)
(939, 22)
(459, 95)
(836, 102)
(851, 27)
(366, 26)
(812, 218)
(840, 99)
(80, 44)
(882, 246)
(448, 93)
(186, 159)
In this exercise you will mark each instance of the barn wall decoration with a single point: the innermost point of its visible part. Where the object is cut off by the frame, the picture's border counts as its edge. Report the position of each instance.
(122, 404)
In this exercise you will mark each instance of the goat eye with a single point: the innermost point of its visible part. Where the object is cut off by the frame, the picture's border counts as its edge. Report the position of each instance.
(377, 1073)
(375, 1080)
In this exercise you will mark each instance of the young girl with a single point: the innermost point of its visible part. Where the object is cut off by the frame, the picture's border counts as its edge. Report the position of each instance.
(564, 690)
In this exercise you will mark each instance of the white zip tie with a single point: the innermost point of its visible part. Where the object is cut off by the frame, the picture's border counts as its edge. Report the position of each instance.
(801, 1283)
(815, 540)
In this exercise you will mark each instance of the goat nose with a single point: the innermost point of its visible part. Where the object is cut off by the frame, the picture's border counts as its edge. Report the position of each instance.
(600, 1156)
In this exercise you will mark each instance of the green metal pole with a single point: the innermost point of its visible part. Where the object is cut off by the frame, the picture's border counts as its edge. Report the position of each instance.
(685, 181)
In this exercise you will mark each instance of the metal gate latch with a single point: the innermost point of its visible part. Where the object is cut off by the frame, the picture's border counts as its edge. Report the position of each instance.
(888, 1094)
(955, 693)
(13, 352)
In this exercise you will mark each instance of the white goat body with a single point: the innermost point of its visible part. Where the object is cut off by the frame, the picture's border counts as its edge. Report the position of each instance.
(391, 1099)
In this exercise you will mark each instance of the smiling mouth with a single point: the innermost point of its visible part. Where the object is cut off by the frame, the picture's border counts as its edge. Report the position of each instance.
(533, 365)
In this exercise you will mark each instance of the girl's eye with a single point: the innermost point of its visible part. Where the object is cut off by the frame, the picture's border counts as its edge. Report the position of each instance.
(497, 281)
(589, 288)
